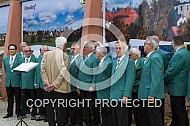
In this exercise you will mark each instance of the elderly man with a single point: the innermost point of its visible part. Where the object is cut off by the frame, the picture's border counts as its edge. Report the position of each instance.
(87, 90)
(22, 46)
(102, 81)
(12, 81)
(27, 84)
(176, 78)
(39, 84)
(123, 76)
(55, 77)
(135, 55)
(151, 85)
(75, 113)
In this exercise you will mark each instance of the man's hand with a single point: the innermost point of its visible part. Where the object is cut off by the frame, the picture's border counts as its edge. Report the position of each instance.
(78, 90)
(91, 89)
(151, 99)
(124, 100)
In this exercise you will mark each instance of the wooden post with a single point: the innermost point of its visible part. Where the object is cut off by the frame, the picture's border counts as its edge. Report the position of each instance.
(13, 34)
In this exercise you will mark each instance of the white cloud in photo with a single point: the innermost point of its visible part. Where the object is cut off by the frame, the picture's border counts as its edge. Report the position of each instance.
(47, 17)
(69, 18)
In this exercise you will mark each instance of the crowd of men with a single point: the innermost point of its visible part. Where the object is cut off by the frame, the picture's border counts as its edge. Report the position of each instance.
(105, 91)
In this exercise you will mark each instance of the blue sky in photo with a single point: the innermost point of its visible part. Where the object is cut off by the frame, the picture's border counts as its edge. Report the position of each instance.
(4, 12)
(52, 15)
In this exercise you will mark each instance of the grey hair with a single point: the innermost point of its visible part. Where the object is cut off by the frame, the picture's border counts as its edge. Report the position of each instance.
(135, 51)
(98, 43)
(152, 41)
(91, 45)
(60, 41)
(102, 50)
(22, 43)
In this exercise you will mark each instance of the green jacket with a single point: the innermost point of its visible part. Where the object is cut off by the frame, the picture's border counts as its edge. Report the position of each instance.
(151, 82)
(122, 79)
(39, 81)
(102, 78)
(177, 73)
(28, 79)
(11, 77)
(165, 58)
(74, 72)
(85, 75)
(139, 64)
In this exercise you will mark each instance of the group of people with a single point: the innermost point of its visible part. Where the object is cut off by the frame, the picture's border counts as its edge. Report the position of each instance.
(92, 89)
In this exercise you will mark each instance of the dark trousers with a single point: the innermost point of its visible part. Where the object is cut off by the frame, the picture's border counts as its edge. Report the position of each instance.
(134, 110)
(60, 109)
(149, 116)
(25, 93)
(179, 113)
(90, 111)
(40, 95)
(120, 115)
(11, 92)
(75, 113)
(106, 112)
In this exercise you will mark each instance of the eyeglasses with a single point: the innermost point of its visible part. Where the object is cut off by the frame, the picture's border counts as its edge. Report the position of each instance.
(28, 51)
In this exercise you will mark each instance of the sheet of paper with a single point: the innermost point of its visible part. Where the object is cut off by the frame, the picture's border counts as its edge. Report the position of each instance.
(25, 67)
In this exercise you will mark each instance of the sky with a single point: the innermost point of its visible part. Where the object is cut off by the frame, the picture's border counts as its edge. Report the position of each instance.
(52, 15)
(4, 12)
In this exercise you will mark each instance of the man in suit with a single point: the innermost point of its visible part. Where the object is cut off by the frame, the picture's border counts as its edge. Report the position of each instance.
(75, 113)
(87, 89)
(135, 55)
(123, 76)
(55, 76)
(102, 81)
(28, 81)
(165, 59)
(12, 81)
(176, 78)
(22, 46)
(39, 84)
(151, 85)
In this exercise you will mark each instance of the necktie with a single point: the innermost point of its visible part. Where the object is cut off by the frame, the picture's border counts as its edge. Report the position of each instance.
(11, 62)
(72, 59)
(117, 65)
(26, 60)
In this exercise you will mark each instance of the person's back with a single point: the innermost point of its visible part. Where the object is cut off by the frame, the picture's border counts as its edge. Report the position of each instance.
(56, 62)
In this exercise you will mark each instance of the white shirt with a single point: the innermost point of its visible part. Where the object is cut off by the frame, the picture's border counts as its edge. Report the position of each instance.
(73, 58)
(28, 59)
(13, 58)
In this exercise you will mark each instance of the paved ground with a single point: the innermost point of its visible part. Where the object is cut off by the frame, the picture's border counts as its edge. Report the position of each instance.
(13, 120)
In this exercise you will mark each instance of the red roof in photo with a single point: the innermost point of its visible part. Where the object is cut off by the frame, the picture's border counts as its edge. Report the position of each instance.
(127, 15)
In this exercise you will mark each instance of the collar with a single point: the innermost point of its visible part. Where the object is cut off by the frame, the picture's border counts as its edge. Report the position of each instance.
(149, 54)
(101, 61)
(89, 54)
(74, 57)
(179, 48)
(121, 58)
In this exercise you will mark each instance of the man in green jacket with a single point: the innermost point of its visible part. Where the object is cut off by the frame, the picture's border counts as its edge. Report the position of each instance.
(12, 81)
(176, 78)
(151, 85)
(39, 83)
(135, 55)
(28, 79)
(123, 76)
